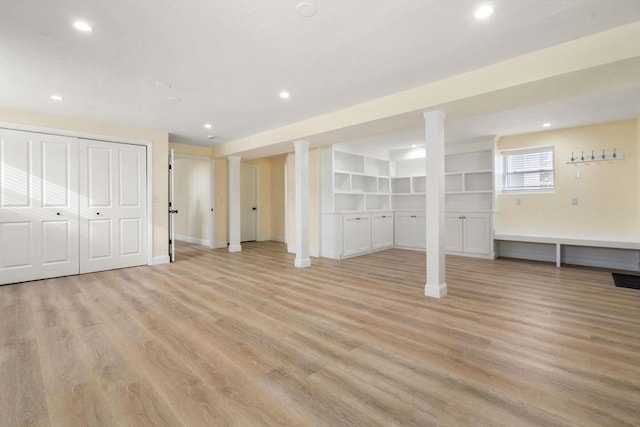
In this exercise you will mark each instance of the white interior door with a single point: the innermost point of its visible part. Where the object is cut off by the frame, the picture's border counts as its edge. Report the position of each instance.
(38, 206)
(113, 212)
(172, 209)
(248, 203)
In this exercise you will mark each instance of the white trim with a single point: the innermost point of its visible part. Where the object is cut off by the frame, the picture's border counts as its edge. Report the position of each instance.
(162, 259)
(106, 138)
(189, 239)
(220, 245)
(235, 248)
(270, 239)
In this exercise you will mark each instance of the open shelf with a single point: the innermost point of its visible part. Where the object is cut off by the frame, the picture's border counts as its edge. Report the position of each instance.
(401, 185)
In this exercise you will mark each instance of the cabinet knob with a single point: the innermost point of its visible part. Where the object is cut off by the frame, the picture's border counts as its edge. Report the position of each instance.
(97, 213)
(58, 213)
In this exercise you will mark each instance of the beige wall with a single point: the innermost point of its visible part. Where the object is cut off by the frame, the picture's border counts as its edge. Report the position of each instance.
(159, 172)
(222, 205)
(607, 193)
(192, 191)
(277, 197)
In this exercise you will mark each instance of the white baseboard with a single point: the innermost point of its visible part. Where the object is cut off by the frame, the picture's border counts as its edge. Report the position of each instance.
(220, 245)
(163, 259)
(271, 239)
(235, 248)
(189, 239)
(291, 249)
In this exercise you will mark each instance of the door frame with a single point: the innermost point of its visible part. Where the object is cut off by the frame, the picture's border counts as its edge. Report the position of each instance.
(108, 138)
(257, 182)
(212, 196)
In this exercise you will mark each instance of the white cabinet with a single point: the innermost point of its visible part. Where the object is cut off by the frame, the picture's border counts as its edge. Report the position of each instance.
(410, 230)
(468, 234)
(381, 231)
(356, 234)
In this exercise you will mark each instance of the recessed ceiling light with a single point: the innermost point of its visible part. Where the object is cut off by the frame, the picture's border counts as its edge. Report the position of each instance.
(546, 125)
(162, 84)
(284, 94)
(306, 9)
(484, 11)
(83, 26)
(57, 97)
(414, 146)
(208, 126)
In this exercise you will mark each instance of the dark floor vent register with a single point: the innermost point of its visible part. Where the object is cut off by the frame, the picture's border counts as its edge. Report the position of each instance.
(626, 280)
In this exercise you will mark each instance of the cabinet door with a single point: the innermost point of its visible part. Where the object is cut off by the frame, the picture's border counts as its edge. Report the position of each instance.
(453, 233)
(381, 231)
(350, 235)
(403, 229)
(420, 230)
(364, 233)
(477, 234)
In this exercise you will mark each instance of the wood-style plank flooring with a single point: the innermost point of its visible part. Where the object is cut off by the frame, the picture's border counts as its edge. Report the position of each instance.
(246, 339)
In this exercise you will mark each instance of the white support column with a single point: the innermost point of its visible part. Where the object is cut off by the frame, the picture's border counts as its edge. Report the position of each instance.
(234, 204)
(436, 285)
(302, 204)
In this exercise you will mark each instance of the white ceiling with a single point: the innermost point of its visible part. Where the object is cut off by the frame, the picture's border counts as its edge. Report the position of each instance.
(227, 60)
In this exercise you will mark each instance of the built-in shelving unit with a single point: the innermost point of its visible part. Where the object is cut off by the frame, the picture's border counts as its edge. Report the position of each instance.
(469, 181)
(360, 183)
(388, 198)
(355, 203)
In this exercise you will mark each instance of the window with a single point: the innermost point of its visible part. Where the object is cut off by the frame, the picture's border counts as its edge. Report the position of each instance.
(529, 170)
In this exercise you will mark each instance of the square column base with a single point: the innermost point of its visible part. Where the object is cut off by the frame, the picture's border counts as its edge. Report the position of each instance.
(435, 291)
(302, 263)
(235, 248)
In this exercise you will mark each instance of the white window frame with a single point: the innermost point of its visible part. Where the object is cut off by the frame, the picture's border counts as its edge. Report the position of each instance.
(505, 172)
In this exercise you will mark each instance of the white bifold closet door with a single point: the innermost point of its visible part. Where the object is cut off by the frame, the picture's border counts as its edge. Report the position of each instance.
(38, 206)
(113, 209)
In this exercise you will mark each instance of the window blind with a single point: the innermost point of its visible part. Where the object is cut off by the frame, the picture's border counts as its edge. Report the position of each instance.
(529, 170)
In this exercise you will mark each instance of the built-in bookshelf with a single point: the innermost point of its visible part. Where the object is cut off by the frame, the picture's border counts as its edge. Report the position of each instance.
(469, 181)
(359, 183)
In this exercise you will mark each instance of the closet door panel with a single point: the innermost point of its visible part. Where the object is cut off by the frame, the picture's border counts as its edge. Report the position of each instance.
(38, 206)
(113, 205)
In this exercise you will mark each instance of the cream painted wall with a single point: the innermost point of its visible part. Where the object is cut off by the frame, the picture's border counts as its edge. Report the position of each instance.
(277, 197)
(607, 193)
(291, 202)
(222, 204)
(192, 180)
(159, 173)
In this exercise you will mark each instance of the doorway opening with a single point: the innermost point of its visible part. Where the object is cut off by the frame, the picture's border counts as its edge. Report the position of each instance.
(191, 201)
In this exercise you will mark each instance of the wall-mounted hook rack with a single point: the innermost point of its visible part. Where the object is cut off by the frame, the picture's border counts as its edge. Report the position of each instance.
(599, 156)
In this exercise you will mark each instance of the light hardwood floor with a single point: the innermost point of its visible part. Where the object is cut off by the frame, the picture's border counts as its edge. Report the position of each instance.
(246, 339)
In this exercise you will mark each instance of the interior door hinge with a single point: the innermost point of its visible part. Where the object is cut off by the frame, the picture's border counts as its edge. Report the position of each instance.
(169, 166)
